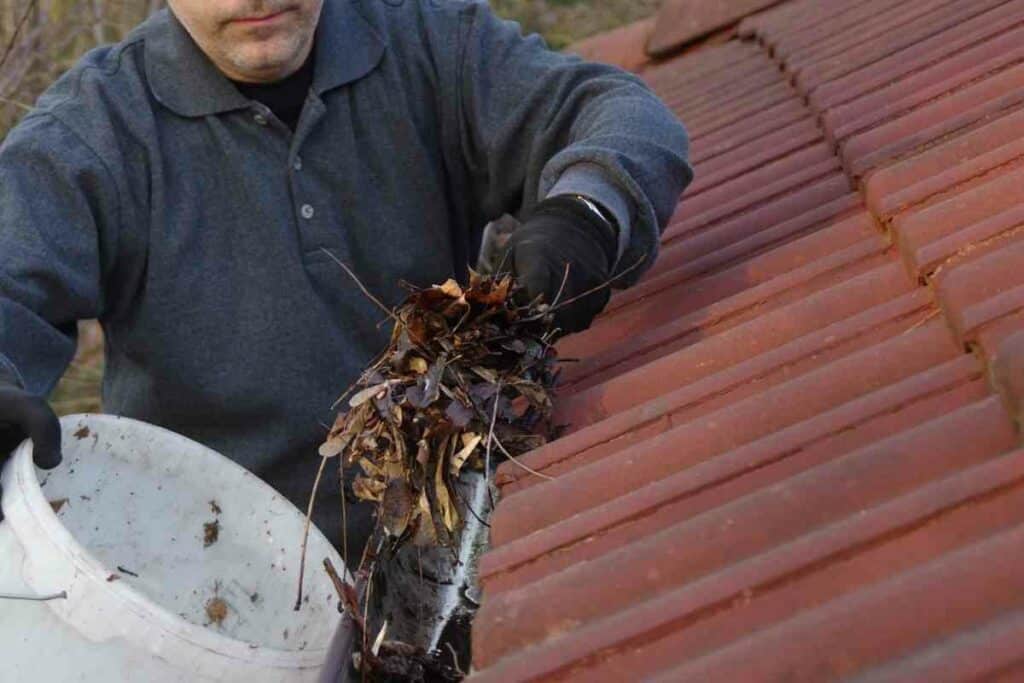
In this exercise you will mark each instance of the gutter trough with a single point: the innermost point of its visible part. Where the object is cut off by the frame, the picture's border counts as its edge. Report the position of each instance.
(424, 597)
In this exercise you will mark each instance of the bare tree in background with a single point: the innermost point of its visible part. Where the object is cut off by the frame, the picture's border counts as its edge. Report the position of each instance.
(43, 38)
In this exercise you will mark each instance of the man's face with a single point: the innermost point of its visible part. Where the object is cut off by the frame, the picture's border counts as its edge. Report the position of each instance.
(254, 41)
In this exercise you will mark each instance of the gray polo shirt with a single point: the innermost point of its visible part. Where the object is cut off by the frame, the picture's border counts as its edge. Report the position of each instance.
(146, 191)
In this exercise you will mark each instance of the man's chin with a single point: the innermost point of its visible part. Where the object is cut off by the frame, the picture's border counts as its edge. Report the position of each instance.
(266, 68)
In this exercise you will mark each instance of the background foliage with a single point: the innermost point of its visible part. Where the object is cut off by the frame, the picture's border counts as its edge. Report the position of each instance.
(40, 39)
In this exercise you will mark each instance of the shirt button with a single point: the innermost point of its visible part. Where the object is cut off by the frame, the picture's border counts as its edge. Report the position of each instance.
(297, 164)
(260, 119)
(307, 211)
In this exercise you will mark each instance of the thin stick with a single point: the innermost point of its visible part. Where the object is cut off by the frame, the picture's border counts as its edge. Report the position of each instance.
(455, 660)
(16, 103)
(362, 287)
(335, 578)
(344, 514)
(305, 533)
(515, 460)
(376, 364)
(339, 588)
(561, 289)
(366, 605)
(366, 549)
(500, 268)
(490, 438)
(510, 456)
(608, 283)
(17, 30)
(469, 507)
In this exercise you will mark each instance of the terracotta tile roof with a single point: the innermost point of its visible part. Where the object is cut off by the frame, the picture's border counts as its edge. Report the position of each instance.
(793, 446)
(681, 22)
(624, 47)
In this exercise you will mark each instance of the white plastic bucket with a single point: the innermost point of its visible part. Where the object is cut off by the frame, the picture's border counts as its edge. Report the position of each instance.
(147, 578)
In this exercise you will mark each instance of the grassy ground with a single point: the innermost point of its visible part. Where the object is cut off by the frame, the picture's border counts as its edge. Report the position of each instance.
(561, 22)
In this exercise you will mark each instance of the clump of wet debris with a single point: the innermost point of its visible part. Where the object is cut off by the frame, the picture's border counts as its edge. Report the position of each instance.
(464, 383)
(466, 377)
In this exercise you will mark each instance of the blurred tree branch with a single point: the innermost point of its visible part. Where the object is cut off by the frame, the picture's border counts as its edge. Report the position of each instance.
(41, 39)
(17, 30)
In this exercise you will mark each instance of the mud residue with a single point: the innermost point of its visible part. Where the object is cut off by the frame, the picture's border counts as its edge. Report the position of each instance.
(216, 611)
(211, 532)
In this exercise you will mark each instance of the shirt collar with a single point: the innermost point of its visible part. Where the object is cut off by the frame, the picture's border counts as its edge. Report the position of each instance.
(183, 78)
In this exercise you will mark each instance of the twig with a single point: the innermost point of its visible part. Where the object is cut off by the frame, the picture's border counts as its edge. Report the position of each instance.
(490, 439)
(16, 103)
(305, 532)
(366, 604)
(500, 268)
(515, 460)
(607, 283)
(508, 455)
(17, 30)
(455, 490)
(371, 297)
(561, 289)
(344, 513)
(376, 364)
(332, 574)
(455, 660)
(340, 587)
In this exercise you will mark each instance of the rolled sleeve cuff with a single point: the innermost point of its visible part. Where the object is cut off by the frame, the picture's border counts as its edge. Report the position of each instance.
(596, 184)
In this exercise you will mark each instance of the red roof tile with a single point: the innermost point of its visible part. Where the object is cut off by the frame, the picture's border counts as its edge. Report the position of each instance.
(683, 21)
(790, 448)
(623, 47)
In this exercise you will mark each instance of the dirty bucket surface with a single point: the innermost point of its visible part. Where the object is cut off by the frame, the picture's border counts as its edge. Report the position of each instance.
(167, 526)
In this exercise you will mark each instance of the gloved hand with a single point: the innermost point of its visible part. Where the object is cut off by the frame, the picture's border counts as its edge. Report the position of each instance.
(563, 230)
(22, 416)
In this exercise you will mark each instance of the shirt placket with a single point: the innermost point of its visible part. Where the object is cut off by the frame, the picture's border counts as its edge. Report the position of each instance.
(311, 219)
(304, 207)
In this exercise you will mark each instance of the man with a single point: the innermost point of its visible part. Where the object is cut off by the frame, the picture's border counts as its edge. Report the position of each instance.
(186, 185)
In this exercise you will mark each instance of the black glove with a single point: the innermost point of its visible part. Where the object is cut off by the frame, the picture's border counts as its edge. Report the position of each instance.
(565, 230)
(22, 416)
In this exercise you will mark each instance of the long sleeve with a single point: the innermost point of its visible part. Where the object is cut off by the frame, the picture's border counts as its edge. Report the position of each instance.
(58, 217)
(529, 116)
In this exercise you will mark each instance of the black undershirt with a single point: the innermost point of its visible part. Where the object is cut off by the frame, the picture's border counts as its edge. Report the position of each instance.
(285, 97)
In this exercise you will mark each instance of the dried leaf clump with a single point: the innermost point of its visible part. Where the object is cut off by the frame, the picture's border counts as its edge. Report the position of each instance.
(467, 372)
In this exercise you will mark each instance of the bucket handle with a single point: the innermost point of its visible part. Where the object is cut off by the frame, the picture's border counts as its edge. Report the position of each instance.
(63, 595)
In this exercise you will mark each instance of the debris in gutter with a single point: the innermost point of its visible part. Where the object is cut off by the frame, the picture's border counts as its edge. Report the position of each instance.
(467, 375)
(465, 382)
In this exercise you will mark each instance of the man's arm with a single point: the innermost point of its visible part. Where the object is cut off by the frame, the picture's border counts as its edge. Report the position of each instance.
(537, 123)
(55, 195)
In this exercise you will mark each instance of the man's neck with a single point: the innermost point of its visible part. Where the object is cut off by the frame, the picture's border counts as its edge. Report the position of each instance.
(284, 97)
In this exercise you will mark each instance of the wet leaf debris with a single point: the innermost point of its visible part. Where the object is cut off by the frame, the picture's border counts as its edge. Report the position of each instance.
(464, 382)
